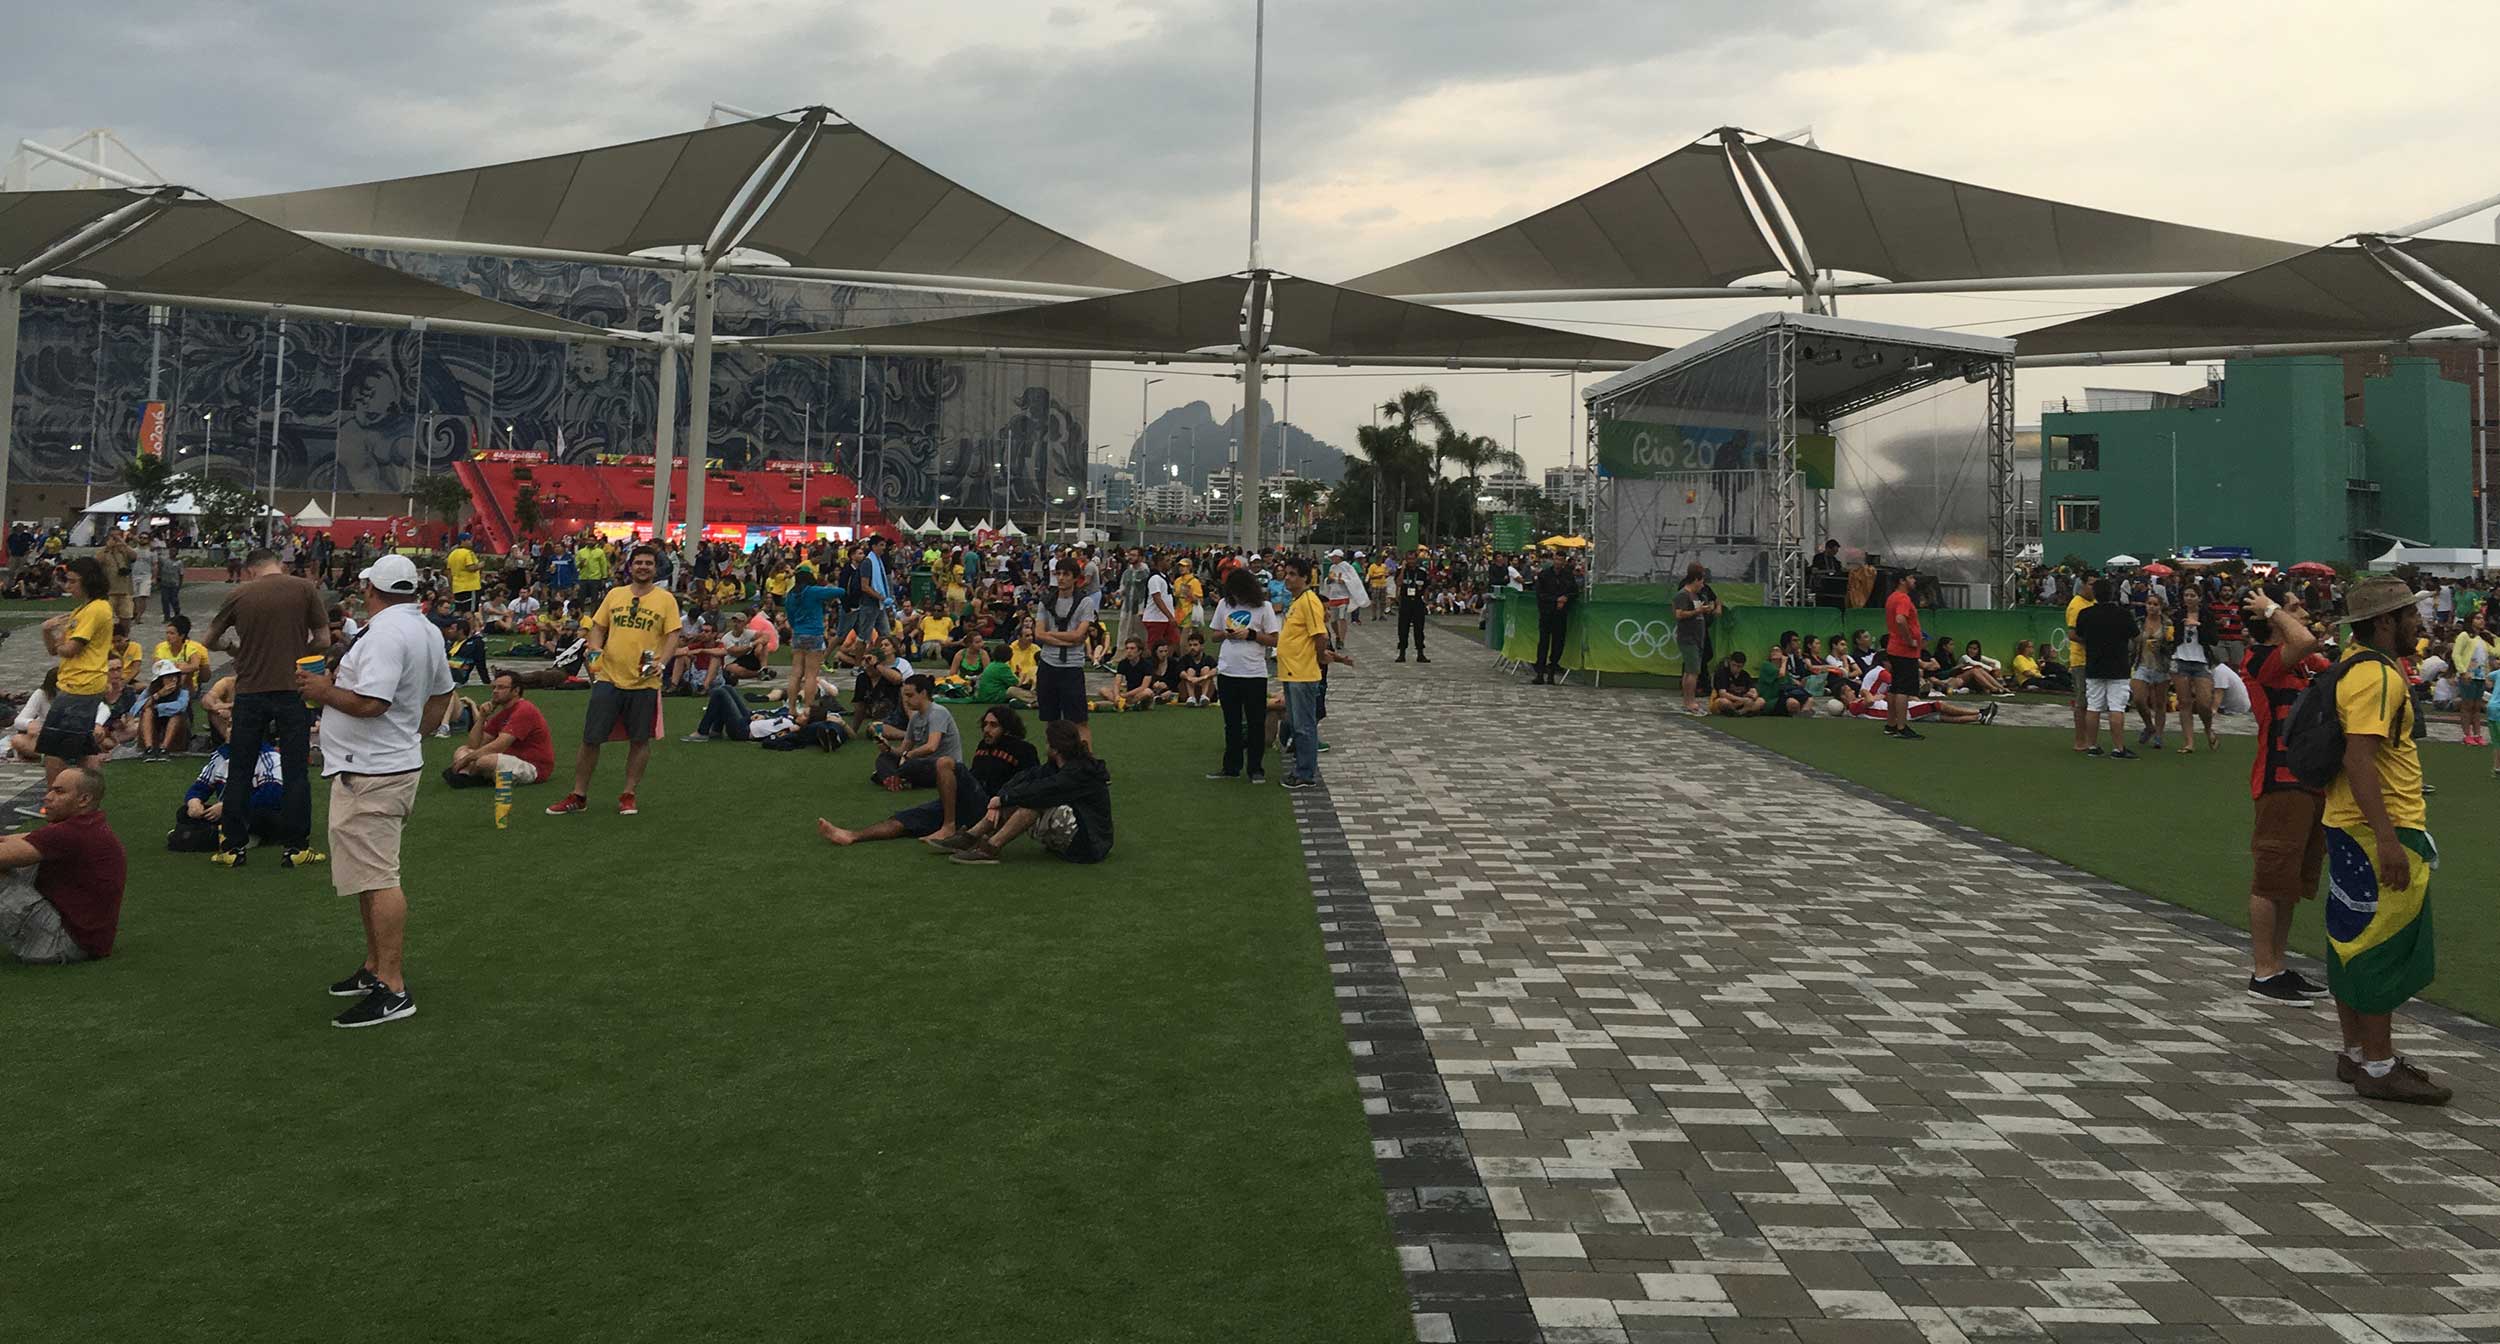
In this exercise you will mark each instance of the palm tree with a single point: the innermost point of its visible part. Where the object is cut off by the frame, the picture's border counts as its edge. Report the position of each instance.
(1394, 462)
(1473, 453)
(1415, 410)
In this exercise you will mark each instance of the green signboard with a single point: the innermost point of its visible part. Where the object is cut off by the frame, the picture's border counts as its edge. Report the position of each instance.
(1410, 531)
(1818, 460)
(1639, 449)
(1510, 532)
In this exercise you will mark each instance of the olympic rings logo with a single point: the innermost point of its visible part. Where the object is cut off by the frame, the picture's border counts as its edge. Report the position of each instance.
(1644, 639)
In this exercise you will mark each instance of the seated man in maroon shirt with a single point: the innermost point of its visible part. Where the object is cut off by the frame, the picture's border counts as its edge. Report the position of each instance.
(61, 883)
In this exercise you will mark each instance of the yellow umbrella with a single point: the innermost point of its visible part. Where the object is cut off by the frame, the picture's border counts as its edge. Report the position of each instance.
(1571, 542)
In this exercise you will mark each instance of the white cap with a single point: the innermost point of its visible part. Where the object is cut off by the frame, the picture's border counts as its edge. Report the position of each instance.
(392, 574)
(1336, 555)
(165, 667)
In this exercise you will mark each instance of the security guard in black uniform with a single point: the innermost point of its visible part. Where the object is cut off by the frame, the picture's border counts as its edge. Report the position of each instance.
(1414, 579)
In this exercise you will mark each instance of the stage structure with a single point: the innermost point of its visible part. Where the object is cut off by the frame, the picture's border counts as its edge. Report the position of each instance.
(1726, 451)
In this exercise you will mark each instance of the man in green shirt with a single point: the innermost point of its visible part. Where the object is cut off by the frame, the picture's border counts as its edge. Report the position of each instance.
(590, 566)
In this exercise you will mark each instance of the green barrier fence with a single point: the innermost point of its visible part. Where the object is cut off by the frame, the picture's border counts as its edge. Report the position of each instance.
(1608, 635)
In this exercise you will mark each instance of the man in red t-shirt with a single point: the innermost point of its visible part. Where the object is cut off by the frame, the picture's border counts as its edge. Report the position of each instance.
(61, 898)
(510, 736)
(1902, 642)
(2287, 845)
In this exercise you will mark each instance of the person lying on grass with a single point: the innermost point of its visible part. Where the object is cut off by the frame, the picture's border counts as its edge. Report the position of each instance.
(964, 793)
(1065, 802)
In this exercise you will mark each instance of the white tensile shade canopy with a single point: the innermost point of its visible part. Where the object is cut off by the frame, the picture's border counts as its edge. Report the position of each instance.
(853, 202)
(956, 529)
(1688, 220)
(181, 505)
(1172, 321)
(1011, 530)
(2329, 295)
(207, 252)
(312, 515)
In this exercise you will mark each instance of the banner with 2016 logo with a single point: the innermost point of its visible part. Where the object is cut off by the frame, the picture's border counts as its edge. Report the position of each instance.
(1639, 449)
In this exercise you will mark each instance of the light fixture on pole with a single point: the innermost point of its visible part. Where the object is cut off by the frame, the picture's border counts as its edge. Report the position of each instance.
(80, 448)
(208, 442)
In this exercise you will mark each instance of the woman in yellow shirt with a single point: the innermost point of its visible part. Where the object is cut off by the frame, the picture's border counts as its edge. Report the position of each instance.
(178, 648)
(1024, 655)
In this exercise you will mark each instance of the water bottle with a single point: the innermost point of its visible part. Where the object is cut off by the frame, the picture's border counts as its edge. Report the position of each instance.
(503, 798)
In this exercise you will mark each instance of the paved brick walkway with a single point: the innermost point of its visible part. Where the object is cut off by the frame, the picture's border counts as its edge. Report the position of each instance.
(1714, 1048)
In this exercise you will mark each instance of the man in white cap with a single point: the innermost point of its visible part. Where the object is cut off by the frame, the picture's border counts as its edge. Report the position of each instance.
(387, 693)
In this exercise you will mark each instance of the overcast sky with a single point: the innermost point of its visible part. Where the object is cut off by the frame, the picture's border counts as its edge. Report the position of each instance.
(1394, 127)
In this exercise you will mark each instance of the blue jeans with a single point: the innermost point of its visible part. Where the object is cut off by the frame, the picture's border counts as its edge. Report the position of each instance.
(1302, 712)
(724, 713)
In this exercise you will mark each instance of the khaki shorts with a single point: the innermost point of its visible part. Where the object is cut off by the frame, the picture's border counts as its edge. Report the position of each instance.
(366, 814)
(2287, 846)
(522, 772)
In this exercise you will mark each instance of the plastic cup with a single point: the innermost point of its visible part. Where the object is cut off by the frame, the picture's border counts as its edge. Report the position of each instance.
(316, 664)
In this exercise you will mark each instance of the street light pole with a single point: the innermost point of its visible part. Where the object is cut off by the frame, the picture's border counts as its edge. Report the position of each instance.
(90, 461)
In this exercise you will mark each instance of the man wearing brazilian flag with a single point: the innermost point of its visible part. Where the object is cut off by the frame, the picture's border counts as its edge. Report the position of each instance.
(2378, 850)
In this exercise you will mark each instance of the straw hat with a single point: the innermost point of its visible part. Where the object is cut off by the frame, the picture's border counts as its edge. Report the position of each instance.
(2376, 596)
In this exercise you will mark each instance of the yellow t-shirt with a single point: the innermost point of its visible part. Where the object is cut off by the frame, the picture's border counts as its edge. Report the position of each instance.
(2373, 701)
(1297, 657)
(191, 648)
(780, 583)
(462, 566)
(1186, 590)
(2074, 645)
(134, 661)
(84, 672)
(1024, 657)
(1377, 575)
(2025, 669)
(635, 625)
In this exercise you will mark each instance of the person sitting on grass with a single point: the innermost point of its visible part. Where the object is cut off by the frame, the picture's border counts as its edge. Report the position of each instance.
(2028, 674)
(217, 708)
(1732, 690)
(196, 821)
(61, 884)
(1788, 695)
(1097, 646)
(1976, 671)
(509, 738)
(907, 756)
(1133, 686)
(165, 713)
(1195, 670)
(24, 733)
(877, 689)
(1066, 802)
(1166, 675)
(937, 636)
(468, 653)
(963, 793)
(969, 663)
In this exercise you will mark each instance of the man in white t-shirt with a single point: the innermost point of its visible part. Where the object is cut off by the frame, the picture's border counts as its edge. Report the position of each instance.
(388, 692)
(1162, 625)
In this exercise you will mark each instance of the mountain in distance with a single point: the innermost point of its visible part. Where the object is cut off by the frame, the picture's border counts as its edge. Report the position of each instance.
(1191, 437)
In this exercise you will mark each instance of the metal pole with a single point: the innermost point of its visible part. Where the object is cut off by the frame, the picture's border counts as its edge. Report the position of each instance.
(861, 449)
(699, 391)
(1253, 398)
(10, 298)
(1284, 452)
(2174, 494)
(807, 439)
(664, 426)
(344, 338)
(1571, 456)
(277, 415)
(1258, 93)
(2482, 465)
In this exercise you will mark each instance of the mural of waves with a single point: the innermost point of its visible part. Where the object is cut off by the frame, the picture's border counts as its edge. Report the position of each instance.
(366, 411)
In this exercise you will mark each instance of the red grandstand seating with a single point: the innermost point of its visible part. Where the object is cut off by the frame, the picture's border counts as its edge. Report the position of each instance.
(573, 496)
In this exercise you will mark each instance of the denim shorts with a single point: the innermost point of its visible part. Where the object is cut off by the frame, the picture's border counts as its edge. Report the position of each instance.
(810, 643)
(2193, 671)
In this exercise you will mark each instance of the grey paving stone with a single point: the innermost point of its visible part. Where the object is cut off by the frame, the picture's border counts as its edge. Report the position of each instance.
(1716, 1032)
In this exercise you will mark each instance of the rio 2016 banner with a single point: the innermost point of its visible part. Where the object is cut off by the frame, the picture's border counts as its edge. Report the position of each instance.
(1638, 449)
(152, 428)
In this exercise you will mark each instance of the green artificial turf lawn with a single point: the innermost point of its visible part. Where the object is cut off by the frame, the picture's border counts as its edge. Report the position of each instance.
(2168, 825)
(698, 1075)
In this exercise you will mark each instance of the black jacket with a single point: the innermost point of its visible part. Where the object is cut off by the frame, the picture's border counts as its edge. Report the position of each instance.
(1553, 585)
(1084, 786)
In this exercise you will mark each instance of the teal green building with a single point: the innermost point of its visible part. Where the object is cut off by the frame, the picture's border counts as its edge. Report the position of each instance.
(2279, 463)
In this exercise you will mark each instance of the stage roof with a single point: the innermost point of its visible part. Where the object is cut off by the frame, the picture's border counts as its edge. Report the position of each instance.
(205, 250)
(1843, 363)
(1326, 320)
(1682, 222)
(2332, 293)
(854, 203)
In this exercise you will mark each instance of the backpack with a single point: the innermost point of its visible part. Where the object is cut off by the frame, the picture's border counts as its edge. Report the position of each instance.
(2313, 741)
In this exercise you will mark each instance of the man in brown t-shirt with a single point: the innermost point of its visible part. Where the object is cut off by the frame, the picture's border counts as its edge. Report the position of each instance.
(276, 619)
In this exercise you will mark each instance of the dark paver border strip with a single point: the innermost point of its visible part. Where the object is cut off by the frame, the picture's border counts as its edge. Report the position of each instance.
(1460, 1281)
(2179, 917)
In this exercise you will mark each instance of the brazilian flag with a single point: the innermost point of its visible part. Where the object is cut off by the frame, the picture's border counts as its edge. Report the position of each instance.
(2380, 947)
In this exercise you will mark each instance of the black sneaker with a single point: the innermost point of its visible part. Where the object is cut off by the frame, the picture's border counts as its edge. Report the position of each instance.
(2309, 989)
(1258, 776)
(376, 1008)
(1909, 735)
(355, 986)
(2092, 751)
(1890, 731)
(1222, 774)
(2125, 754)
(1421, 659)
(1401, 656)
(1298, 782)
(2281, 987)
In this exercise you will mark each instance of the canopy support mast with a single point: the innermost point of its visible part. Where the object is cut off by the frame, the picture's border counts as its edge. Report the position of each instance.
(1755, 185)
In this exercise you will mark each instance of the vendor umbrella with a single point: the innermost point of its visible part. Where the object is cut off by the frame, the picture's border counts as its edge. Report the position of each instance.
(2123, 562)
(2312, 569)
(1573, 543)
(2157, 567)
